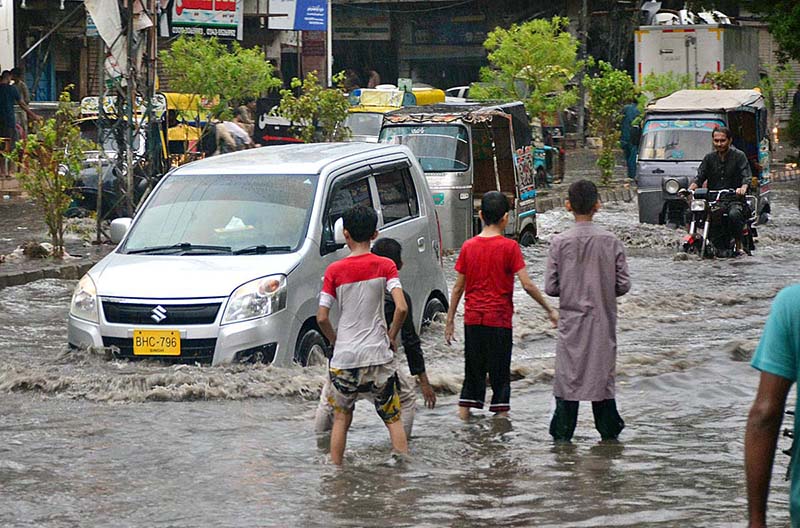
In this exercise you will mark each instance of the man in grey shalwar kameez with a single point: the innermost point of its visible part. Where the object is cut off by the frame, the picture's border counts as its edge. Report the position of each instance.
(587, 270)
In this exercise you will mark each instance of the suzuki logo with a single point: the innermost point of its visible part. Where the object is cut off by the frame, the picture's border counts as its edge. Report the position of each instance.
(159, 314)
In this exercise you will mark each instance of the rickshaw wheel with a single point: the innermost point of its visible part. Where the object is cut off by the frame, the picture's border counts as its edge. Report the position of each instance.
(527, 237)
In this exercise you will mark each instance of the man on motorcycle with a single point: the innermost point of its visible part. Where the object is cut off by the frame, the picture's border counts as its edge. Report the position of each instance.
(726, 168)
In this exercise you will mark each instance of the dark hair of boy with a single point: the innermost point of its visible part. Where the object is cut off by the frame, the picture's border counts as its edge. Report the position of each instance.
(360, 222)
(582, 196)
(389, 248)
(494, 205)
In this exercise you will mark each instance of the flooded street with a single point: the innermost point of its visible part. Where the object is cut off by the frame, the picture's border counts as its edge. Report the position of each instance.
(90, 441)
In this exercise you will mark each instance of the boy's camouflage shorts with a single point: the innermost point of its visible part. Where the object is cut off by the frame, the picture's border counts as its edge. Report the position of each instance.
(377, 382)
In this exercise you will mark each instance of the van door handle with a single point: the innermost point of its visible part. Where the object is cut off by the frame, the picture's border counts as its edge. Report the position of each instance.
(421, 244)
(658, 171)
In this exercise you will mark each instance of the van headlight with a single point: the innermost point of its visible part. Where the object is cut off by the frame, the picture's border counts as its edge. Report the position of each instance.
(672, 186)
(698, 205)
(257, 298)
(84, 300)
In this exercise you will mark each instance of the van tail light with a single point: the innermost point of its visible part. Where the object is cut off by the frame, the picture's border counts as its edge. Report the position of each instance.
(439, 232)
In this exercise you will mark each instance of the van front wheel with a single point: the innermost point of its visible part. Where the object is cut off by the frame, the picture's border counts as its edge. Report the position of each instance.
(311, 349)
(433, 307)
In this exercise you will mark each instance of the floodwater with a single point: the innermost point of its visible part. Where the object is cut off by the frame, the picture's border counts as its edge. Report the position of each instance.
(90, 441)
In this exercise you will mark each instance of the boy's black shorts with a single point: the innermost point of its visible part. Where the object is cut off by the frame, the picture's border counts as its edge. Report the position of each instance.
(487, 350)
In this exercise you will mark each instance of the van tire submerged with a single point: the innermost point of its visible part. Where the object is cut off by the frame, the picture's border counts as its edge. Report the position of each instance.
(432, 307)
(311, 348)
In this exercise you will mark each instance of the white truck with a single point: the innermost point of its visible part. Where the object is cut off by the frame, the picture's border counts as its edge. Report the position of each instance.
(696, 49)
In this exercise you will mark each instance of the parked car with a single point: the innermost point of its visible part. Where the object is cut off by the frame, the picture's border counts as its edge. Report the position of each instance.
(224, 261)
(457, 94)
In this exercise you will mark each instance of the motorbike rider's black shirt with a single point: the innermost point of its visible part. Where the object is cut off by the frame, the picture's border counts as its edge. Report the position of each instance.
(730, 173)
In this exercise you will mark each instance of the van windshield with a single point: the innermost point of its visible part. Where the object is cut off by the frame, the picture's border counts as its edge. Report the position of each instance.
(677, 139)
(439, 148)
(235, 211)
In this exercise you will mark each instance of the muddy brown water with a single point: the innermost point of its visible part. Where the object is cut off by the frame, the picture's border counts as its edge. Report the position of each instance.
(89, 441)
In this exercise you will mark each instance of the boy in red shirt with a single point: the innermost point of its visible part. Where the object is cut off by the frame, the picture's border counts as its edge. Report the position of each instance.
(486, 267)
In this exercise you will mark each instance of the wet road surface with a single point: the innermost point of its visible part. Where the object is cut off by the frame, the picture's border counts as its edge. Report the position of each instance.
(89, 441)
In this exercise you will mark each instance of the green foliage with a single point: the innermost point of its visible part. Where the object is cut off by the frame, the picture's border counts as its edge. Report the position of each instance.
(659, 85)
(729, 79)
(783, 19)
(609, 90)
(776, 85)
(205, 66)
(41, 162)
(532, 62)
(320, 111)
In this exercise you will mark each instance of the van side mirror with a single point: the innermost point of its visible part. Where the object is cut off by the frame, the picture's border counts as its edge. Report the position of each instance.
(636, 135)
(338, 231)
(119, 227)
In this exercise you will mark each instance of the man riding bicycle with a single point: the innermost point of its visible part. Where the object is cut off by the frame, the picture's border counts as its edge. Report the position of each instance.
(726, 168)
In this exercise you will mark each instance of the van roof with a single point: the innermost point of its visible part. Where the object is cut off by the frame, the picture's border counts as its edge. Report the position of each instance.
(304, 158)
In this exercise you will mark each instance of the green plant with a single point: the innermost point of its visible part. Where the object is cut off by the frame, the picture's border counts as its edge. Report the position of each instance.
(793, 129)
(222, 76)
(654, 86)
(728, 79)
(318, 112)
(532, 62)
(47, 161)
(609, 90)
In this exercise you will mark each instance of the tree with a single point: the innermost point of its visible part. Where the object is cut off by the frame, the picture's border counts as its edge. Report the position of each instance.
(783, 19)
(609, 90)
(728, 79)
(205, 66)
(533, 62)
(47, 161)
(318, 111)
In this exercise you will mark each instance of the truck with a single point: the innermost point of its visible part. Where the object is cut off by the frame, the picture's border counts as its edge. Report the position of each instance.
(696, 50)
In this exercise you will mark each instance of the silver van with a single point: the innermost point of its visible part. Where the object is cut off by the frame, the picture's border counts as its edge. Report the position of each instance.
(224, 261)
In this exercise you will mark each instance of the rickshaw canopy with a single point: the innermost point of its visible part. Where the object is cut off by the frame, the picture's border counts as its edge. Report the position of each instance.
(708, 101)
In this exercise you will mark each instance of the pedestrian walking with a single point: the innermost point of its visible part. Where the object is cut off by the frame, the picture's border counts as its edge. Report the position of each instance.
(9, 96)
(412, 347)
(362, 364)
(587, 271)
(631, 150)
(486, 268)
(778, 358)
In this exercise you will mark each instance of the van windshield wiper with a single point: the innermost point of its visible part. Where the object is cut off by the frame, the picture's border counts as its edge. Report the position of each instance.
(261, 249)
(182, 247)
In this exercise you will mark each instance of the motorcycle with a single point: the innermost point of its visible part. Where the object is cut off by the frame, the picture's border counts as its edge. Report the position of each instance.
(707, 236)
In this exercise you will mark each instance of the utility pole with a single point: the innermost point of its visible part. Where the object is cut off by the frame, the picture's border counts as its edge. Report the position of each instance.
(582, 36)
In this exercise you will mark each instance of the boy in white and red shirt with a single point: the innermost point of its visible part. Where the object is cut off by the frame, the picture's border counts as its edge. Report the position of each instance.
(362, 361)
(486, 268)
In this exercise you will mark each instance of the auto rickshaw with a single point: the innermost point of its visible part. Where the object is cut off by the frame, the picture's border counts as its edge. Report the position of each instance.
(466, 150)
(369, 105)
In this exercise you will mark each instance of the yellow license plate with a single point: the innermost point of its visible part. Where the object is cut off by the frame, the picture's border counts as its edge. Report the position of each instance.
(156, 343)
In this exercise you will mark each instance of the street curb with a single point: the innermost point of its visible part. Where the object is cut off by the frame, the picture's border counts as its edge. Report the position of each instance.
(72, 271)
(618, 193)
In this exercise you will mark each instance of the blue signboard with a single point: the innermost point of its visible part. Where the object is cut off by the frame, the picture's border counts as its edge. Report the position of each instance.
(299, 15)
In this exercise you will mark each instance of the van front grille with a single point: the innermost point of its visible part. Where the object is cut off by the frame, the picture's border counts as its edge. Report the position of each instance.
(167, 314)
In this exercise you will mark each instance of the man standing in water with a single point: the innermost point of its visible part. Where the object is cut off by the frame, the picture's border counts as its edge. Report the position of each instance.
(587, 270)
(778, 359)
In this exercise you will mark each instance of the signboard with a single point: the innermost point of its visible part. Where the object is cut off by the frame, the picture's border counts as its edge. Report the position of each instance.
(209, 18)
(298, 15)
(350, 24)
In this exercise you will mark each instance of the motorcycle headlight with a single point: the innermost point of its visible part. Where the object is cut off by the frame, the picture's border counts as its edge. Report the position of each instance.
(84, 300)
(257, 298)
(672, 186)
(698, 205)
